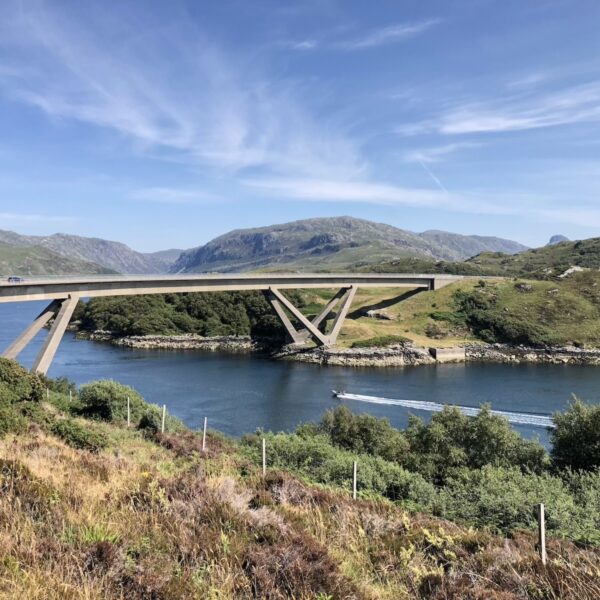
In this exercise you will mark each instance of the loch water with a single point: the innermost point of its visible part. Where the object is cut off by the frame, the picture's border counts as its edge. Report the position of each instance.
(240, 392)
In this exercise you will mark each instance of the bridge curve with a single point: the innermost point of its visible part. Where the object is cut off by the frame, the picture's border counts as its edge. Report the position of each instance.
(64, 293)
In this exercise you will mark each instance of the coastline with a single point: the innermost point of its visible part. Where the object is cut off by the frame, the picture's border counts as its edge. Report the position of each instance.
(397, 355)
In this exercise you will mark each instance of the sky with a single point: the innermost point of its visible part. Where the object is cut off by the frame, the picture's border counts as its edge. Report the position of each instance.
(163, 124)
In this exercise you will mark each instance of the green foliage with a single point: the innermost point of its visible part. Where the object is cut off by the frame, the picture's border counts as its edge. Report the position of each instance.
(364, 434)
(11, 420)
(315, 457)
(17, 384)
(215, 314)
(20, 394)
(107, 400)
(576, 437)
(504, 499)
(453, 440)
(79, 436)
(380, 340)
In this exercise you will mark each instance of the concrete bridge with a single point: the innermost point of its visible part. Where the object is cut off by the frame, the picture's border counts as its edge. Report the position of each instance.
(64, 293)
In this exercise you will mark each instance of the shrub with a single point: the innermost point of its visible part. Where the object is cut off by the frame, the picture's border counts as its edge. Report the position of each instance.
(452, 440)
(79, 436)
(17, 384)
(504, 498)
(364, 434)
(11, 420)
(107, 400)
(576, 437)
(316, 458)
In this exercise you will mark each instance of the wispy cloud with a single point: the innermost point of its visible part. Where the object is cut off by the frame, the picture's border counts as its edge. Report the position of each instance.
(367, 192)
(391, 34)
(164, 195)
(193, 103)
(436, 153)
(387, 35)
(570, 105)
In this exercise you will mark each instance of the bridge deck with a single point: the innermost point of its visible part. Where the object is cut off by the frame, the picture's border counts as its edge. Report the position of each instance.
(126, 285)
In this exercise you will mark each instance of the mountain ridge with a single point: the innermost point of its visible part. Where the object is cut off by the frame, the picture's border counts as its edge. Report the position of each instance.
(107, 254)
(330, 242)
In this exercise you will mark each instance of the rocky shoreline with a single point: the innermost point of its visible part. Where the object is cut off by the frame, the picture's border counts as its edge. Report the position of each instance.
(177, 342)
(397, 355)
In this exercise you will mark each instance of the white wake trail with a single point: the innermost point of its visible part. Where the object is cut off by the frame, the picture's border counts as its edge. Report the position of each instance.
(513, 417)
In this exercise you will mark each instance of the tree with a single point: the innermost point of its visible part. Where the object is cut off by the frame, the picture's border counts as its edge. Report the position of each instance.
(576, 437)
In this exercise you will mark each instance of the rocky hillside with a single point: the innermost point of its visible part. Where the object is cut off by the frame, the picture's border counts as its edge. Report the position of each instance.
(110, 256)
(330, 244)
(35, 261)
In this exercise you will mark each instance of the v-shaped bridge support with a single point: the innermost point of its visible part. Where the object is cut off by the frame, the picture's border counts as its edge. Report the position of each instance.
(62, 311)
(310, 329)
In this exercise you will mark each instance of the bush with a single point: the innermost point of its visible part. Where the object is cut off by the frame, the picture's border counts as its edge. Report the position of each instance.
(11, 420)
(315, 458)
(576, 437)
(107, 400)
(17, 384)
(452, 440)
(364, 434)
(78, 436)
(504, 499)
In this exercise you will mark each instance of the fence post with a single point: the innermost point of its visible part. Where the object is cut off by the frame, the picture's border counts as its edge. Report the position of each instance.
(354, 482)
(542, 533)
(204, 435)
(264, 458)
(70, 396)
(128, 413)
(164, 414)
(47, 394)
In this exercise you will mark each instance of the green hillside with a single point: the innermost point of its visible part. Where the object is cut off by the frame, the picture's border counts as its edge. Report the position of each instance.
(36, 261)
(545, 262)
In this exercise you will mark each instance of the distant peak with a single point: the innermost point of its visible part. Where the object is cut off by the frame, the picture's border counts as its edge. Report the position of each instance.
(557, 239)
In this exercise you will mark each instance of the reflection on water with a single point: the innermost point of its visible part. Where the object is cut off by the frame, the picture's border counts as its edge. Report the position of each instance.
(239, 393)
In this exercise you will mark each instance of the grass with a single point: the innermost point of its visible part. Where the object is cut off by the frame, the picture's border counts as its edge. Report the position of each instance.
(566, 311)
(93, 509)
(118, 523)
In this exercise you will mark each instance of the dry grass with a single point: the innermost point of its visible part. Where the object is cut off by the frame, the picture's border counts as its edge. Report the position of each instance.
(158, 519)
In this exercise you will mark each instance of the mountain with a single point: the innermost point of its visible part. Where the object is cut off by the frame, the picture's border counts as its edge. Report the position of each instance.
(36, 261)
(329, 244)
(557, 239)
(545, 262)
(112, 256)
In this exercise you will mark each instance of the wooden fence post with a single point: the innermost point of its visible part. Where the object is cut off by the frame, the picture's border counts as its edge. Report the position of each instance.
(542, 533)
(204, 435)
(264, 458)
(354, 482)
(164, 414)
(128, 413)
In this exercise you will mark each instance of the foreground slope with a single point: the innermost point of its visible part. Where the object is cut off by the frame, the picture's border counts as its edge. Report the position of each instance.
(91, 508)
(329, 244)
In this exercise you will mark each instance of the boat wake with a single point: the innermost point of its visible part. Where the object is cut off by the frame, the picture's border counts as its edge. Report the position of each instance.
(533, 419)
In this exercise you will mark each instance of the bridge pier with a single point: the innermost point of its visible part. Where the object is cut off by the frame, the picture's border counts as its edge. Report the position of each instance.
(310, 329)
(62, 311)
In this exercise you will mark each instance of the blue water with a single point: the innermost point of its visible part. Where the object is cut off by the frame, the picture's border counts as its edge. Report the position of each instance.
(239, 393)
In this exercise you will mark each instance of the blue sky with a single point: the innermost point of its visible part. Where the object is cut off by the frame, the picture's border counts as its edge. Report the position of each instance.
(164, 123)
